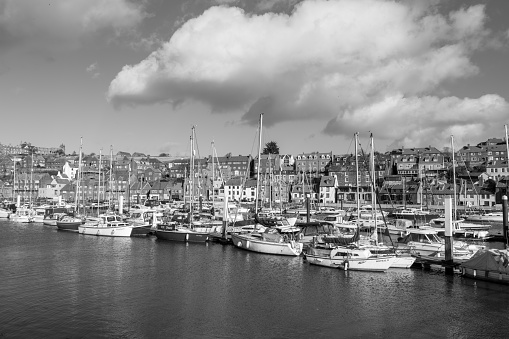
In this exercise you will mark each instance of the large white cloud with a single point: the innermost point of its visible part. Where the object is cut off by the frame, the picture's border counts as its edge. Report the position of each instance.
(326, 60)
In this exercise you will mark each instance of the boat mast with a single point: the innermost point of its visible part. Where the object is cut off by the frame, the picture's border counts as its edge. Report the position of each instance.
(191, 181)
(506, 153)
(258, 168)
(213, 176)
(77, 198)
(111, 167)
(31, 175)
(14, 177)
(129, 186)
(453, 179)
(357, 181)
(373, 190)
(99, 181)
(270, 183)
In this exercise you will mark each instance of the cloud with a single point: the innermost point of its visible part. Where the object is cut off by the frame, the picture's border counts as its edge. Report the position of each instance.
(325, 60)
(61, 23)
(426, 120)
(93, 70)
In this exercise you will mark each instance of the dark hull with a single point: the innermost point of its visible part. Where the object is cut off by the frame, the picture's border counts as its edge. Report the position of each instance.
(141, 231)
(68, 226)
(182, 236)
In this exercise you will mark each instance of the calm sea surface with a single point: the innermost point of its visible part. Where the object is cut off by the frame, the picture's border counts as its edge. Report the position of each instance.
(64, 285)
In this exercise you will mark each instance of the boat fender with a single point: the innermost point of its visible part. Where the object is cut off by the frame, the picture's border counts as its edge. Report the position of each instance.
(301, 236)
(346, 264)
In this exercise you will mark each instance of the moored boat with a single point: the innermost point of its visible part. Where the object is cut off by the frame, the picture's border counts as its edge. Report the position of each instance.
(491, 265)
(175, 232)
(272, 241)
(23, 215)
(4, 213)
(69, 223)
(107, 225)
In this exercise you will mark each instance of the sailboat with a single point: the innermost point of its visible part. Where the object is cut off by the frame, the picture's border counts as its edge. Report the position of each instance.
(462, 229)
(349, 255)
(378, 249)
(71, 222)
(278, 240)
(176, 231)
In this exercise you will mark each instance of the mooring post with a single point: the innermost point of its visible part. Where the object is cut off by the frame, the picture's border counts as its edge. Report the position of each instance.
(307, 208)
(448, 263)
(504, 218)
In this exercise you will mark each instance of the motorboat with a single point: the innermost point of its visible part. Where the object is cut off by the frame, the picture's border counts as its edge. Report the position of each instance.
(485, 217)
(4, 213)
(38, 215)
(51, 219)
(70, 223)
(23, 215)
(426, 242)
(463, 229)
(109, 225)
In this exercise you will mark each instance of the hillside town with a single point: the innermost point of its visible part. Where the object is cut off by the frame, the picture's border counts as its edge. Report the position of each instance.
(418, 175)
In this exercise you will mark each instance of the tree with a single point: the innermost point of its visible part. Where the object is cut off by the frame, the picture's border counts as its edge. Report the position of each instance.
(271, 148)
(163, 154)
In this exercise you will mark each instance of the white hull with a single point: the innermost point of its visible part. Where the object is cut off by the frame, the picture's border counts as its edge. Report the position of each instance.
(4, 214)
(486, 217)
(22, 219)
(38, 218)
(123, 231)
(325, 261)
(254, 244)
(369, 264)
(403, 262)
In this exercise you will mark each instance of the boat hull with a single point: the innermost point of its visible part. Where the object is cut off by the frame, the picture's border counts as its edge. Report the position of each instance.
(69, 226)
(141, 230)
(325, 261)
(253, 244)
(22, 219)
(369, 264)
(107, 231)
(49, 222)
(182, 235)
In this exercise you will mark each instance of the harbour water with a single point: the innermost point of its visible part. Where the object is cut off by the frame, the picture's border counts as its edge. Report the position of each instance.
(64, 285)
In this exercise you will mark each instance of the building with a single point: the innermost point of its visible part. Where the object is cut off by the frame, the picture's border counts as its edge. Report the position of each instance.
(313, 164)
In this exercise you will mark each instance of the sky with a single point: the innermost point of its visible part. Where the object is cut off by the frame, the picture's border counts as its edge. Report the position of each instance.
(135, 76)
